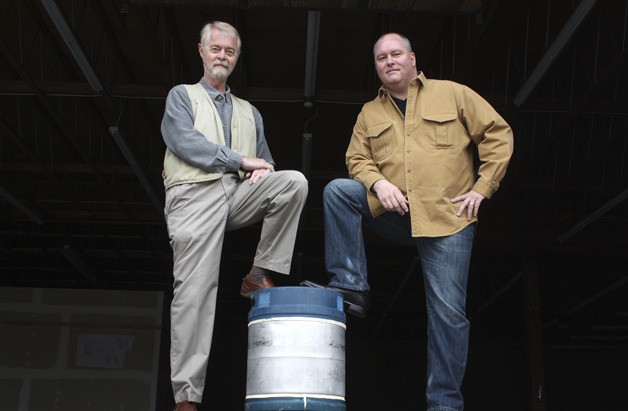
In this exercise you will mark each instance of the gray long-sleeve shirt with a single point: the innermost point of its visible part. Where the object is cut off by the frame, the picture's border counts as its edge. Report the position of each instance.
(190, 145)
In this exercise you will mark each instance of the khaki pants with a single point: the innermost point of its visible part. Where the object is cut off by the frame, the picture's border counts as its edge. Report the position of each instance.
(198, 215)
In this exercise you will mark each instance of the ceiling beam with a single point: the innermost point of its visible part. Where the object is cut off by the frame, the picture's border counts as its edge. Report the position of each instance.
(123, 145)
(615, 69)
(55, 119)
(593, 216)
(21, 205)
(67, 34)
(107, 108)
(588, 301)
(557, 46)
(74, 257)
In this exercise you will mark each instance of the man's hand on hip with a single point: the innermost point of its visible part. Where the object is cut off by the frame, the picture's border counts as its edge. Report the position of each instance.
(471, 201)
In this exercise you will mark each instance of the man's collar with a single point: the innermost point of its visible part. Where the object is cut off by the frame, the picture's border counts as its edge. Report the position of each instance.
(420, 77)
(211, 90)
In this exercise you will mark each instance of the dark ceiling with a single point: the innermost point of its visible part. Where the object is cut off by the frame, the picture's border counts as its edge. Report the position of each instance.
(81, 153)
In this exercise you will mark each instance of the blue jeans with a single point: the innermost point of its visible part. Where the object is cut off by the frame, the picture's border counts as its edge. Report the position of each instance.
(445, 264)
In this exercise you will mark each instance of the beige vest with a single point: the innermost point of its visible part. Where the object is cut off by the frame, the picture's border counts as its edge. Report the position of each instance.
(207, 121)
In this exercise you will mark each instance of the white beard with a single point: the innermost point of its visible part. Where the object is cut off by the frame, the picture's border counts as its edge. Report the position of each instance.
(218, 72)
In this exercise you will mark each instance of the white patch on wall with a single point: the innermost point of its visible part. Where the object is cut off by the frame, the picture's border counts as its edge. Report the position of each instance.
(102, 351)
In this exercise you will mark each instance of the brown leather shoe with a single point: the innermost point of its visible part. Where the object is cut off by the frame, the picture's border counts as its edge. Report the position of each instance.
(252, 283)
(185, 406)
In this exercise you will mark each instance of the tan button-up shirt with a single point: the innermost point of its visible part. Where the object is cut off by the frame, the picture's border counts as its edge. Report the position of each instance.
(428, 153)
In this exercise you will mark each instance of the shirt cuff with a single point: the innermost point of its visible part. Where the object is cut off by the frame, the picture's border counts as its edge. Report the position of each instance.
(371, 179)
(485, 188)
(234, 161)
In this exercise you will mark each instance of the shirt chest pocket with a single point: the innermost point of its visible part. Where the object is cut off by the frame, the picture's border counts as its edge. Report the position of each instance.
(381, 139)
(440, 129)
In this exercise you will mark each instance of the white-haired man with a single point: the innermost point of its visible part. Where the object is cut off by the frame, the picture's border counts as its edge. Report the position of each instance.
(219, 176)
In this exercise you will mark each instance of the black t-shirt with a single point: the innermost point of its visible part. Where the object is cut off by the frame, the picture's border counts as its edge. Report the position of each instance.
(401, 104)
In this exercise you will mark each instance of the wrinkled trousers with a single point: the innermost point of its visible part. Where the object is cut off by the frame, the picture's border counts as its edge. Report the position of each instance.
(197, 217)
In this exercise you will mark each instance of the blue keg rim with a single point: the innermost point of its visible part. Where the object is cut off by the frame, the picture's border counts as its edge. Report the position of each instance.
(297, 302)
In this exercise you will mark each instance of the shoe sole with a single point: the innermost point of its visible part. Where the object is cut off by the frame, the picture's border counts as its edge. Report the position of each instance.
(354, 309)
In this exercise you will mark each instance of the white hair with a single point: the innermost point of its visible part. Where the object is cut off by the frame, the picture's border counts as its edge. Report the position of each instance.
(221, 26)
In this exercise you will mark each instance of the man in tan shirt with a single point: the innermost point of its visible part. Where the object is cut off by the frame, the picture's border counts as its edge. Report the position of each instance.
(413, 182)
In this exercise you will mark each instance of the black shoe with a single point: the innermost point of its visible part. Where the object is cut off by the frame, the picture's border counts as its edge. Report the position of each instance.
(357, 302)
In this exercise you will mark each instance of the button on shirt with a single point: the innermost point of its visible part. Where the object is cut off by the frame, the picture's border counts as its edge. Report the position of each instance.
(225, 110)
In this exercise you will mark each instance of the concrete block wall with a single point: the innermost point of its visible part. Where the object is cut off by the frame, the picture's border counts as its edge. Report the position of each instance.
(68, 349)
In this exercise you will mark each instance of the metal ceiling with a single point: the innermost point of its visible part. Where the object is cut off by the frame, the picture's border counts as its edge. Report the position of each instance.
(82, 89)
